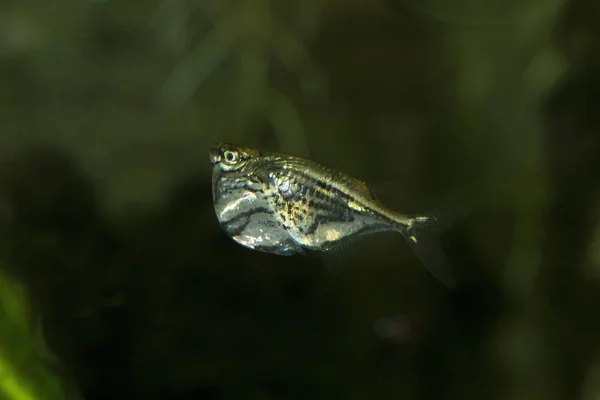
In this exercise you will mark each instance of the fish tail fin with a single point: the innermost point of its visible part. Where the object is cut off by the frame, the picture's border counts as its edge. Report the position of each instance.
(421, 233)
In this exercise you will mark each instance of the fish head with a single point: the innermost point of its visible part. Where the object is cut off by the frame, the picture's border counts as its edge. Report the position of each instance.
(234, 181)
(226, 157)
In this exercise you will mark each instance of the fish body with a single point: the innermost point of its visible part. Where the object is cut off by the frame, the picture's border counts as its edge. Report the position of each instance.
(282, 204)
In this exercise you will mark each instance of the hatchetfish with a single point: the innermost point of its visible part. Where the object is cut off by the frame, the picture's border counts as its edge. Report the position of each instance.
(282, 204)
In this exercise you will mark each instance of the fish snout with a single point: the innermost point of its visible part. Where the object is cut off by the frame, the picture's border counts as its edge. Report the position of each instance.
(214, 155)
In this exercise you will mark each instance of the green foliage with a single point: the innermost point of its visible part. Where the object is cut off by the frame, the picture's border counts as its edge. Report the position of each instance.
(24, 357)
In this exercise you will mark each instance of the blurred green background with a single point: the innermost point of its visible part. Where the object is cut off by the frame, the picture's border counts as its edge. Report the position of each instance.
(116, 281)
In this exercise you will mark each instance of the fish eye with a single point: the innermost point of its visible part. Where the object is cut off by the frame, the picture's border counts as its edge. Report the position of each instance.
(230, 156)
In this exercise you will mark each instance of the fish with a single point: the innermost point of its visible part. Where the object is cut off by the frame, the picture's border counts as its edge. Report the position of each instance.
(286, 205)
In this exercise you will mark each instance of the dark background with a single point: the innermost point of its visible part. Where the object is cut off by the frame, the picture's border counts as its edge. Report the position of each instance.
(117, 283)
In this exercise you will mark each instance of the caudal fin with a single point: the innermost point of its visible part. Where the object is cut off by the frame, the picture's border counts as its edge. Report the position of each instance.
(422, 232)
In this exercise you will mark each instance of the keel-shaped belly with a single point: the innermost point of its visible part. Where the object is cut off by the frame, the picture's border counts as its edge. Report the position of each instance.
(246, 214)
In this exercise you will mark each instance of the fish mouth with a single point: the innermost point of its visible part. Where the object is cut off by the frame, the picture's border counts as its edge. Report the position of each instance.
(214, 154)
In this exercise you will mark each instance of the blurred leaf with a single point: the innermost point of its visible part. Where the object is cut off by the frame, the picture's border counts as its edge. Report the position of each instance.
(290, 50)
(24, 359)
(199, 64)
(288, 125)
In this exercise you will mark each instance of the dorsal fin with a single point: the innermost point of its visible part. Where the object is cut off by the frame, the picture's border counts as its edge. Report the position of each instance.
(368, 190)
